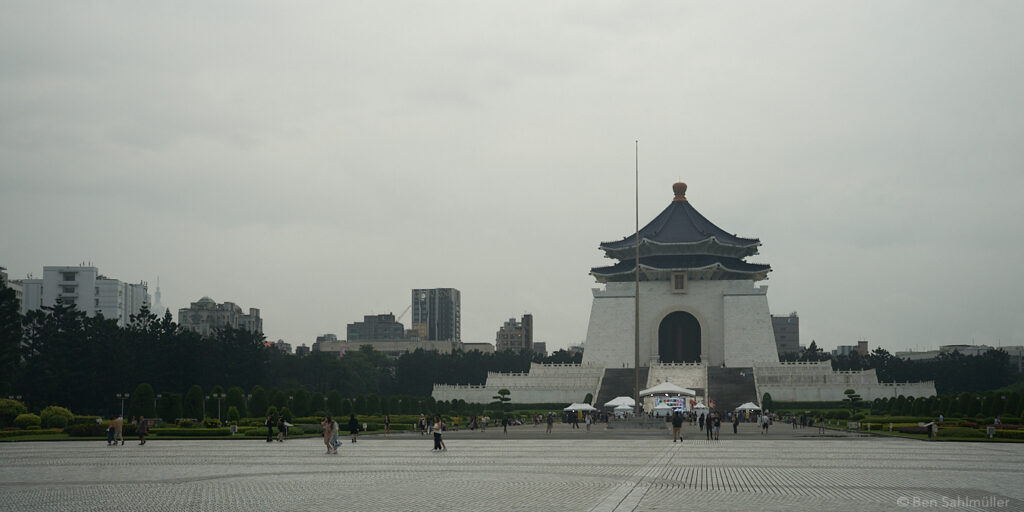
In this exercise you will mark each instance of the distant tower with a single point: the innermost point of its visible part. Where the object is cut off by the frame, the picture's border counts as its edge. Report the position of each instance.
(158, 306)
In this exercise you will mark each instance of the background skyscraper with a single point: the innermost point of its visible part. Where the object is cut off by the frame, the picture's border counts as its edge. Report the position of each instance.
(437, 314)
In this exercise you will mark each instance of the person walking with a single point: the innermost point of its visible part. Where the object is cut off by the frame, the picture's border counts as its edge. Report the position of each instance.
(504, 424)
(700, 422)
(550, 421)
(387, 424)
(735, 424)
(588, 420)
(718, 426)
(335, 430)
(118, 426)
(269, 424)
(707, 427)
(437, 428)
(143, 430)
(677, 425)
(353, 427)
(282, 428)
(110, 433)
(325, 426)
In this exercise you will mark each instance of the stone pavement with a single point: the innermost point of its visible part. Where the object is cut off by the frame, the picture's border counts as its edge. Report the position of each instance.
(567, 471)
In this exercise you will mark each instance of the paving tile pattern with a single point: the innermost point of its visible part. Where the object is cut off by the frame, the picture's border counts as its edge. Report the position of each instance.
(476, 473)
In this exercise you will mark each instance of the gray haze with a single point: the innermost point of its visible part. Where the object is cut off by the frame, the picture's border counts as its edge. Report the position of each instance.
(318, 161)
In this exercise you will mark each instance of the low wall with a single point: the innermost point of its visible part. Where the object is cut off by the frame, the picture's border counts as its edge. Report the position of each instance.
(553, 383)
(815, 381)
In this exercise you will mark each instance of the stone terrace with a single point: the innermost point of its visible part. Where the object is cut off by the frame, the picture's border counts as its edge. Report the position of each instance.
(568, 471)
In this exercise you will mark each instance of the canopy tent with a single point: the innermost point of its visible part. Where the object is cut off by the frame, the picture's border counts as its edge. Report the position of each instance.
(621, 400)
(662, 410)
(667, 388)
(699, 405)
(579, 407)
(749, 406)
(622, 411)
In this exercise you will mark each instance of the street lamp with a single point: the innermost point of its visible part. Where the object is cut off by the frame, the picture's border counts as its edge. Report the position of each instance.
(247, 398)
(155, 398)
(204, 405)
(123, 397)
(219, 397)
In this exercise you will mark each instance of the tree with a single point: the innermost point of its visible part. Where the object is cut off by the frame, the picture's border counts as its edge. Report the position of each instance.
(258, 403)
(141, 403)
(233, 415)
(193, 406)
(10, 338)
(588, 399)
(851, 400)
(300, 402)
(334, 402)
(236, 399)
(169, 407)
(502, 398)
(317, 404)
(766, 402)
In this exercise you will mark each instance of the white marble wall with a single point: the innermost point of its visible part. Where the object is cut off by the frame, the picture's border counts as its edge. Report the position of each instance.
(815, 381)
(733, 315)
(542, 384)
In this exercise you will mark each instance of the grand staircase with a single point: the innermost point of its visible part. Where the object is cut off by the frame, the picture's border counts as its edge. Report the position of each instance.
(731, 387)
(618, 382)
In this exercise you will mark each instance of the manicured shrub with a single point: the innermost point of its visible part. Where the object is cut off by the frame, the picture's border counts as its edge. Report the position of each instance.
(1010, 434)
(55, 417)
(27, 420)
(27, 432)
(186, 423)
(912, 430)
(272, 411)
(287, 413)
(233, 415)
(211, 423)
(857, 417)
(960, 432)
(10, 409)
(86, 430)
(84, 420)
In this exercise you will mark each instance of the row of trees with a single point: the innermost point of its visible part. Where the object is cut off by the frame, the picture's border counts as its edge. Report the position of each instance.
(952, 372)
(61, 356)
(962, 405)
(258, 402)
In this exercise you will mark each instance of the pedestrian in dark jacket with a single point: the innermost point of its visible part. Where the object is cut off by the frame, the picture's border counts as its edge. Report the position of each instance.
(353, 427)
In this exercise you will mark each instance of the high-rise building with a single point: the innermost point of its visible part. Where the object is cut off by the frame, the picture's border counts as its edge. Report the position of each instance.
(787, 333)
(158, 308)
(376, 327)
(437, 314)
(205, 316)
(515, 335)
(14, 285)
(84, 288)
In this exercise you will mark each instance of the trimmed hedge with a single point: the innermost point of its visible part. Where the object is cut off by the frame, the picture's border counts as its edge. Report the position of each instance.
(55, 417)
(1010, 434)
(84, 420)
(86, 430)
(27, 420)
(28, 432)
(960, 432)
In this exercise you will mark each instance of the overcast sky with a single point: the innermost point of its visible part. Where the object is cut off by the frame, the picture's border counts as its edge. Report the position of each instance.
(318, 161)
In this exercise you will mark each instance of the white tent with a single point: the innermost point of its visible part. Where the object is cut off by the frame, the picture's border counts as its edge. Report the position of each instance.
(662, 410)
(667, 388)
(699, 405)
(579, 407)
(623, 410)
(620, 400)
(749, 406)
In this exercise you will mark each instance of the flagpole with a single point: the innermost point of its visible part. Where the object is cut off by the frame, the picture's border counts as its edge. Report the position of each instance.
(636, 296)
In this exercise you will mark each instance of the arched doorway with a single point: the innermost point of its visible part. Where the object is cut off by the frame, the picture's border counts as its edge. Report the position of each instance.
(679, 338)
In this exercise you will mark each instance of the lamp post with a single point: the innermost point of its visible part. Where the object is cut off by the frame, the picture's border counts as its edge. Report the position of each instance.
(155, 398)
(123, 397)
(207, 397)
(219, 397)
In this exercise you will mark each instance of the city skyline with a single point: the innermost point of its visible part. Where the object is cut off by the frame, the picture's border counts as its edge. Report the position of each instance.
(320, 163)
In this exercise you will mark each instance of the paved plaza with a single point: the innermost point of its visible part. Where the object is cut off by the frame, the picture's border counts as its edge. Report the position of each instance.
(603, 470)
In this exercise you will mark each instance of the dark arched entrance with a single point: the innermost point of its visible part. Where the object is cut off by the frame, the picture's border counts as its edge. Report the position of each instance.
(679, 338)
